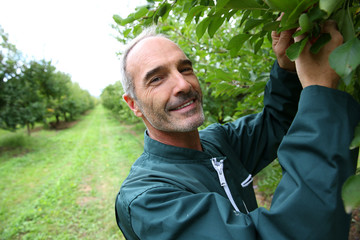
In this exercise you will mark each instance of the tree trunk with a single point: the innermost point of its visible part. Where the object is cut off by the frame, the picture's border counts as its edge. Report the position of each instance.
(28, 129)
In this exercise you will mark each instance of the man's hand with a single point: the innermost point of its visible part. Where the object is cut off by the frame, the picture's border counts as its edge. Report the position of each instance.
(280, 42)
(314, 69)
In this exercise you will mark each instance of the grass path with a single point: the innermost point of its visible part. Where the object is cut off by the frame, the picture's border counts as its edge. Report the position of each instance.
(62, 184)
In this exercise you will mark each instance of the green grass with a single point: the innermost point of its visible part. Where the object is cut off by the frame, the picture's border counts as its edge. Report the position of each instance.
(62, 184)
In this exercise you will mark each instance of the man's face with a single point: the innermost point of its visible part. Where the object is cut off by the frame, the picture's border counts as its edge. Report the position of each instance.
(168, 94)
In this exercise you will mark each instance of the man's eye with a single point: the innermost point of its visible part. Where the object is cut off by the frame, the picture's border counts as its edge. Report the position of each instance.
(155, 79)
(186, 70)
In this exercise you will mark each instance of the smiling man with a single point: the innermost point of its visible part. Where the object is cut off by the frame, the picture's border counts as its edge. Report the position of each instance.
(167, 94)
(191, 184)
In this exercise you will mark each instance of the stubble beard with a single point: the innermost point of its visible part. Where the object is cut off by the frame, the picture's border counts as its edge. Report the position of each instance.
(165, 121)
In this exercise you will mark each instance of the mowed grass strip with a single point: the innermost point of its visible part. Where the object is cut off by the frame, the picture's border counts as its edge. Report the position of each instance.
(62, 184)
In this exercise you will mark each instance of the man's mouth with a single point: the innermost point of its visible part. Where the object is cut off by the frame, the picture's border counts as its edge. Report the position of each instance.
(184, 105)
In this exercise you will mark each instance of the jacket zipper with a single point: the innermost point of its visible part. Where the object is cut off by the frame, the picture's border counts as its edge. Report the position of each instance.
(219, 167)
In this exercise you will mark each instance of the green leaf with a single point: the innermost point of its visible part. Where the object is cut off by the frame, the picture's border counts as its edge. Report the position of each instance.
(163, 9)
(141, 12)
(245, 16)
(329, 5)
(236, 43)
(243, 4)
(295, 14)
(346, 58)
(117, 19)
(167, 12)
(220, 4)
(214, 25)
(351, 194)
(271, 26)
(252, 23)
(230, 14)
(347, 27)
(356, 141)
(258, 45)
(127, 20)
(305, 23)
(126, 32)
(281, 5)
(193, 12)
(187, 7)
(137, 30)
(320, 42)
(156, 19)
(348, 78)
(294, 51)
(202, 26)
(223, 76)
(315, 13)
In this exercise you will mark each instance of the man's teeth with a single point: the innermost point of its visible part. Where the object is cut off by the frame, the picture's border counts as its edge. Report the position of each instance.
(185, 105)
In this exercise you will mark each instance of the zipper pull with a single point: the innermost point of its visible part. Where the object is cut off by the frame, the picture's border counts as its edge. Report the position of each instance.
(219, 167)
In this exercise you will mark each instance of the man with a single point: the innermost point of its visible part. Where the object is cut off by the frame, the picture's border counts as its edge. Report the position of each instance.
(197, 185)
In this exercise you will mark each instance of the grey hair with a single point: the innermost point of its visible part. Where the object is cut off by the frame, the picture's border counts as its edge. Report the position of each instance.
(126, 79)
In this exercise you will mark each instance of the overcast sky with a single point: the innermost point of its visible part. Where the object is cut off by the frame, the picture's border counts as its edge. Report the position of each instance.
(76, 35)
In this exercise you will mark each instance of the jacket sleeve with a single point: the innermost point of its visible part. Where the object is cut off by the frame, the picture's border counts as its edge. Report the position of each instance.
(168, 212)
(307, 204)
(316, 161)
(257, 137)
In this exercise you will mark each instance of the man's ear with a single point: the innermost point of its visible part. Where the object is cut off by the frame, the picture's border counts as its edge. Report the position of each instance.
(132, 105)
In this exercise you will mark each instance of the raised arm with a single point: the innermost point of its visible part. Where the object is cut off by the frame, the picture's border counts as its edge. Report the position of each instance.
(256, 138)
(315, 156)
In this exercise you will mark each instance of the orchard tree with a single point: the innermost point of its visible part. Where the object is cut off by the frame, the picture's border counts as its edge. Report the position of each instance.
(10, 59)
(22, 106)
(111, 98)
(57, 96)
(78, 101)
(9, 68)
(229, 41)
(25, 95)
(33, 91)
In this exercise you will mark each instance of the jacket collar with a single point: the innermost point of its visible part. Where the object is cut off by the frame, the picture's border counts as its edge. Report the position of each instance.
(172, 152)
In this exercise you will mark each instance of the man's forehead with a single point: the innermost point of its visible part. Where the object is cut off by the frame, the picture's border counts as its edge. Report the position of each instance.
(148, 49)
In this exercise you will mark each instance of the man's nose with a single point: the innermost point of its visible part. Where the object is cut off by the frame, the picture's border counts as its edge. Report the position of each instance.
(181, 84)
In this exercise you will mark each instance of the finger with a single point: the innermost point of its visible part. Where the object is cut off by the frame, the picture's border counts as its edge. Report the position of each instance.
(331, 27)
(275, 35)
(286, 38)
(300, 37)
(280, 17)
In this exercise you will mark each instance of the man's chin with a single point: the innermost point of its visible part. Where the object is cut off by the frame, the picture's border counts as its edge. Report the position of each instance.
(190, 124)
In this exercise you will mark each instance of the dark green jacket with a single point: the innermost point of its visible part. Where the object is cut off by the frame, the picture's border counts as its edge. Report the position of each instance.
(175, 193)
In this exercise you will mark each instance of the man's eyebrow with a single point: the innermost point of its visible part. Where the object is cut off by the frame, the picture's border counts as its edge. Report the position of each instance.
(185, 62)
(155, 70)
(152, 72)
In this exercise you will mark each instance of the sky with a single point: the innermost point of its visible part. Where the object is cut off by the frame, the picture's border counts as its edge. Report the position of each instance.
(76, 35)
